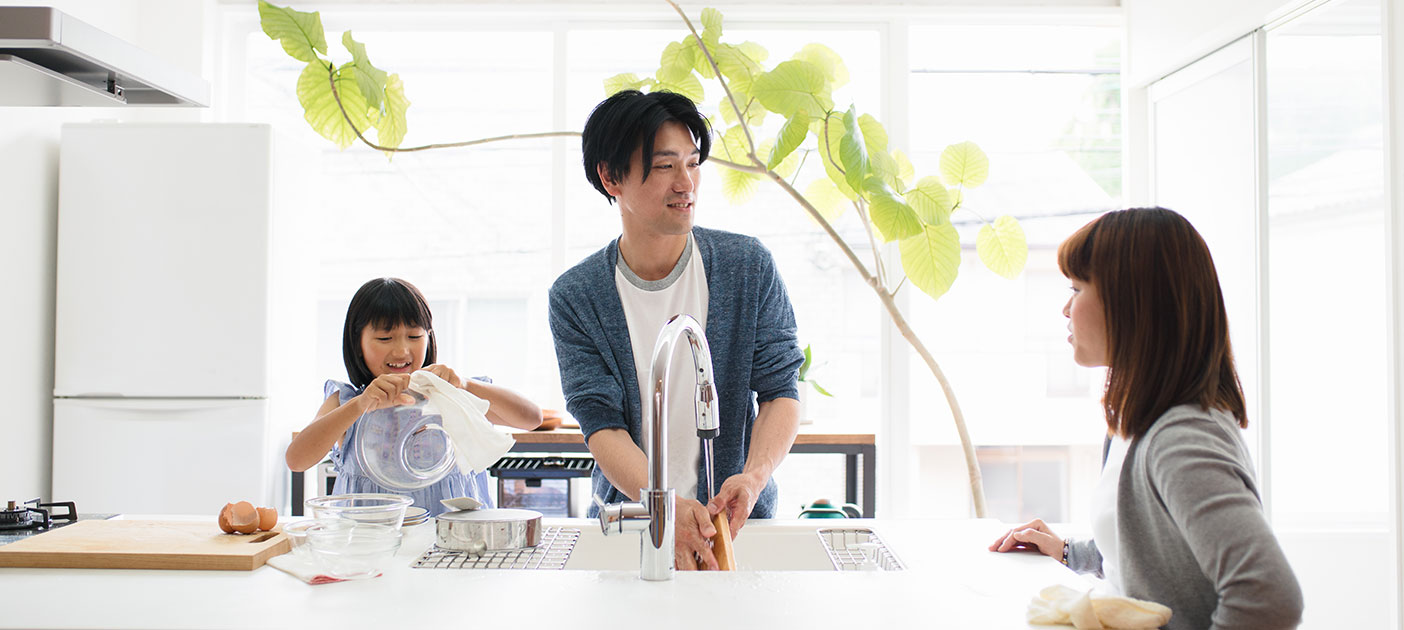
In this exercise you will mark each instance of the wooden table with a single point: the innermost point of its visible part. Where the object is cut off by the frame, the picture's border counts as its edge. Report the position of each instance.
(859, 451)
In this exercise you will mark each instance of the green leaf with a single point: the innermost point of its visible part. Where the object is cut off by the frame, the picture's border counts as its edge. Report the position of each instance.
(300, 33)
(827, 199)
(786, 167)
(893, 218)
(369, 78)
(931, 201)
(804, 366)
(853, 151)
(965, 165)
(793, 86)
(905, 170)
(874, 134)
(755, 113)
(1002, 246)
(792, 134)
(627, 81)
(737, 63)
(676, 62)
(688, 86)
(819, 389)
(738, 187)
(711, 26)
(391, 127)
(827, 60)
(734, 147)
(314, 92)
(932, 258)
(830, 131)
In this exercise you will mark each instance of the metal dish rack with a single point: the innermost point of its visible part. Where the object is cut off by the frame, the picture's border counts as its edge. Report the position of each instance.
(552, 553)
(858, 549)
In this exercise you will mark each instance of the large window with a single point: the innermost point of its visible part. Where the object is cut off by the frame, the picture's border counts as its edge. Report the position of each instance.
(1044, 103)
(484, 231)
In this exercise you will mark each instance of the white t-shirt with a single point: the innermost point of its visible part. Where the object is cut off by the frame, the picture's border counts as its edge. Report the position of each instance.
(647, 307)
(1104, 513)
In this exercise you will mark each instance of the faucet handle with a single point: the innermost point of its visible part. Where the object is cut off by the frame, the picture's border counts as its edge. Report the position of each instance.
(617, 518)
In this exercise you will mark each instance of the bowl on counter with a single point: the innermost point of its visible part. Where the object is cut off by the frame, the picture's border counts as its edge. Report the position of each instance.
(363, 508)
(361, 552)
(297, 532)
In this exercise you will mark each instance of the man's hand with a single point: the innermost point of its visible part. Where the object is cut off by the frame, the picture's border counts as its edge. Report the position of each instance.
(693, 533)
(737, 497)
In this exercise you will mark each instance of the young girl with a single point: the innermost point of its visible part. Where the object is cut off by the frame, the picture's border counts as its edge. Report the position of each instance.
(389, 333)
(1176, 515)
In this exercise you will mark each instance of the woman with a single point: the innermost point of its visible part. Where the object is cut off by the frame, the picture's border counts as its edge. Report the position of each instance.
(1177, 517)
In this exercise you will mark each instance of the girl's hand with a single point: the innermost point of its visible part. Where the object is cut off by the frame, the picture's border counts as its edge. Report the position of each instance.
(387, 390)
(1031, 536)
(444, 372)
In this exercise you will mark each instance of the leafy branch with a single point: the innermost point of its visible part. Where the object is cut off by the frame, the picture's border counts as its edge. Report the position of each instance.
(343, 102)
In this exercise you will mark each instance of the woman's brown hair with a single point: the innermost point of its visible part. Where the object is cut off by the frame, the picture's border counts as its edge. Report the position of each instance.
(1167, 330)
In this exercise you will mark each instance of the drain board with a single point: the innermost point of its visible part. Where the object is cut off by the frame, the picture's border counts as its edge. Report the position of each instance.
(552, 553)
(858, 549)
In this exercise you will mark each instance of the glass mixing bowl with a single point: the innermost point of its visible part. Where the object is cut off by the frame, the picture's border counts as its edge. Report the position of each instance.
(363, 508)
(364, 553)
(404, 447)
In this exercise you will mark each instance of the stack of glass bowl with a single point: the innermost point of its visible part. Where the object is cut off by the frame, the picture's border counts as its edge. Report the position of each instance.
(352, 535)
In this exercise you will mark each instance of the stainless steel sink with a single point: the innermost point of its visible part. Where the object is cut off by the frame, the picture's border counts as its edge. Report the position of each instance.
(770, 548)
(758, 548)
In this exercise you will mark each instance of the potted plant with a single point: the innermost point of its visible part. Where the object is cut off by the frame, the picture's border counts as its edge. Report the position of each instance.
(806, 384)
(879, 185)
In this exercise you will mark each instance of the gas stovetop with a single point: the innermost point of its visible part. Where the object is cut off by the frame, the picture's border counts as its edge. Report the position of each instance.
(31, 518)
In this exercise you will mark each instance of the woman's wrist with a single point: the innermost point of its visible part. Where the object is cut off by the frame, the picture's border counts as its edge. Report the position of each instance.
(1067, 548)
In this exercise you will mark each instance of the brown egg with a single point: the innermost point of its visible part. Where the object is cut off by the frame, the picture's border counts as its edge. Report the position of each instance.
(267, 518)
(224, 514)
(244, 518)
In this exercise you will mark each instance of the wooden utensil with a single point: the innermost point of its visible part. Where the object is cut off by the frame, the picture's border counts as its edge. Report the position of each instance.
(721, 543)
(124, 544)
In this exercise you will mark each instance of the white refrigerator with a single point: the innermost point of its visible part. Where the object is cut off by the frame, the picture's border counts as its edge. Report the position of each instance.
(184, 314)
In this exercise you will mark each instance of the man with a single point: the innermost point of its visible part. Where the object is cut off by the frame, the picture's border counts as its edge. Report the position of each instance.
(644, 152)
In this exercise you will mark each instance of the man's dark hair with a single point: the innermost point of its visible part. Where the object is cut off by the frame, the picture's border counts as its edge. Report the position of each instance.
(629, 120)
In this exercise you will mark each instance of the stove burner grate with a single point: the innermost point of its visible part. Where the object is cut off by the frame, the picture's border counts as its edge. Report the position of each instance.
(33, 515)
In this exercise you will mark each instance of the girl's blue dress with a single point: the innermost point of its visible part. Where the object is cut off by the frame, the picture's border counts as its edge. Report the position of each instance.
(350, 477)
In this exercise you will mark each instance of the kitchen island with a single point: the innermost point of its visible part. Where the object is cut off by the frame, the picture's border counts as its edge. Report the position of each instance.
(950, 581)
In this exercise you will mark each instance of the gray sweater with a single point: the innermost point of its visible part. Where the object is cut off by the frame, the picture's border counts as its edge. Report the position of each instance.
(1191, 530)
(750, 330)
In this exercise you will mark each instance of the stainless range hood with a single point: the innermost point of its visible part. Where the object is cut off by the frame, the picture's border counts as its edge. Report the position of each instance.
(50, 59)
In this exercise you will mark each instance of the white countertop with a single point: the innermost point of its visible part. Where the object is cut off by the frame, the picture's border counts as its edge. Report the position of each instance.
(951, 581)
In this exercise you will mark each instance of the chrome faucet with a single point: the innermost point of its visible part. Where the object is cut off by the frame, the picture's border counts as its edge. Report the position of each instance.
(653, 514)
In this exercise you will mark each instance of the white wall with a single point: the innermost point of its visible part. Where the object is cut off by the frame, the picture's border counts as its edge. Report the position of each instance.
(29, 138)
(1163, 36)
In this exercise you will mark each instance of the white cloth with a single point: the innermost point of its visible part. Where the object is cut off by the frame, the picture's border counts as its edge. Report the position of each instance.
(303, 567)
(646, 310)
(476, 443)
(1062, 605)
(1104, 515)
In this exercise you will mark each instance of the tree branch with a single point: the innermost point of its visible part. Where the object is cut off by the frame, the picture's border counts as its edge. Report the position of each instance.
(331, 77)
(750, 142)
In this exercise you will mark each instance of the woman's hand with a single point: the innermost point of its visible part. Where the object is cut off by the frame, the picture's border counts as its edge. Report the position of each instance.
(387, 390)
(693, 537)
(1031, 536)
(444, 372)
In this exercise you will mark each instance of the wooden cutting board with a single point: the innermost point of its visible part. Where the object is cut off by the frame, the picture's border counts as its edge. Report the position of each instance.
(189, 545)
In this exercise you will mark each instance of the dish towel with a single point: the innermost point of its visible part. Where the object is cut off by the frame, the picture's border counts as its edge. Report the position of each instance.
(304, 568)
(1062, 605)
(476, 443)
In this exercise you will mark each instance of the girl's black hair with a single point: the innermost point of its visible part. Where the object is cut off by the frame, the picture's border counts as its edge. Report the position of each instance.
(383, 303)
(629, 120)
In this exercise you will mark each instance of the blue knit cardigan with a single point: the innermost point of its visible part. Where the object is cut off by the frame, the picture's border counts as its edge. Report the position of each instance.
(750, 331)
